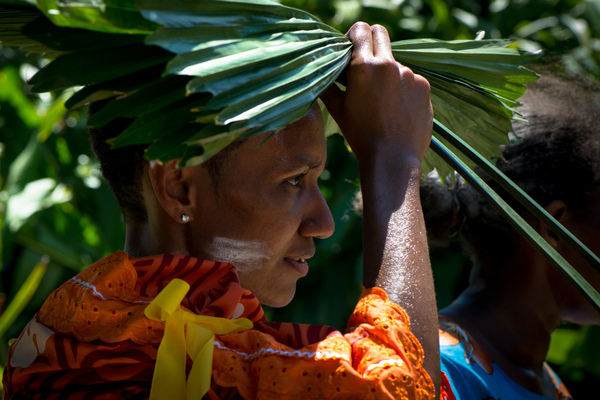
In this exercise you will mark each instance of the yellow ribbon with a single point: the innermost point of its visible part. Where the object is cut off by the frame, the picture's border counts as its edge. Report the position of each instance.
(185, 333)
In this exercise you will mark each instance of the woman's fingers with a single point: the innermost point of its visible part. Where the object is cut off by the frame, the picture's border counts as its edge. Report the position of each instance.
(382, 47)
(385, 104)
(361, 36)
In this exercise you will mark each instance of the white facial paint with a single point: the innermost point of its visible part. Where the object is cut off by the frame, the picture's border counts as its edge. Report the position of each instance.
(245, 255)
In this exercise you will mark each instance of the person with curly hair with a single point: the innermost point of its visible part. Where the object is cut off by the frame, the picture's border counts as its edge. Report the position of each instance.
(496, 334)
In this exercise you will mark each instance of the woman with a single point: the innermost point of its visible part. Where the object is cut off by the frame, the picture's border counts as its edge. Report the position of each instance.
(237, 232)
(495, 335)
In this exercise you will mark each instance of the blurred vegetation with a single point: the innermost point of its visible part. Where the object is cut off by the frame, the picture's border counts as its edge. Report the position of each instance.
(55, 210)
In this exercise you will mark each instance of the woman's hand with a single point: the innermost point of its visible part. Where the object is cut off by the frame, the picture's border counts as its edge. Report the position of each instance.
(386, 107)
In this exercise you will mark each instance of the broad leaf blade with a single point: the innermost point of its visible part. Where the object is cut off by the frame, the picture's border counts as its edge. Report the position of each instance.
(188, 13)
(90, 67)
(61, 39)
(475, 85)
(119, 86)
(110, 16)
(13, 18)
(150, 127)
(263, 76)
(148, 100)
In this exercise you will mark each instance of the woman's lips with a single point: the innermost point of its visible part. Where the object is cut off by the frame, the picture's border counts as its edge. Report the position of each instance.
(299, 264)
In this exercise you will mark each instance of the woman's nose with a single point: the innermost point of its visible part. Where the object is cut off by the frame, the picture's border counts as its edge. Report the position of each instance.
(317, 221)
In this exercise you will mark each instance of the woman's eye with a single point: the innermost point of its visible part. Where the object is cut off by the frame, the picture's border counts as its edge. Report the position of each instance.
(295, 181)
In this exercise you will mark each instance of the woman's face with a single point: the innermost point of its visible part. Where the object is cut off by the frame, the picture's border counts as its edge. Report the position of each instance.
(265, 209)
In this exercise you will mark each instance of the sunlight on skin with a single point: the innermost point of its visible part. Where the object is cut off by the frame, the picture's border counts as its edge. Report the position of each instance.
(405, 249)
(405, 273)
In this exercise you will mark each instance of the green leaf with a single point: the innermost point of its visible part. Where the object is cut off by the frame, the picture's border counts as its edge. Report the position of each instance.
(298, 89)
(472, 115)
(583, 356)
(149, 99)
(262, 78)
(264, 64)
(35, 196)
(474, 87)
(491, 55)
(211, 139)
(561, 342)
(90, 67)
(58, 255)
(112, 16)
(255, 71)
(13, 18)
(61, 39)
(53, 115)
(183, 40)
(220, 59)
(23, 296)
(187, 13)
(11, 91)
(150, 127)
(118, 86)
(173, 146)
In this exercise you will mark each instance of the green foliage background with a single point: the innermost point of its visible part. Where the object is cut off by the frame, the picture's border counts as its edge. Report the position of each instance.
(53, 202)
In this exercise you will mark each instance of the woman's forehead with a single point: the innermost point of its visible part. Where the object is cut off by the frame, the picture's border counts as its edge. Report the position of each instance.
(300, 143)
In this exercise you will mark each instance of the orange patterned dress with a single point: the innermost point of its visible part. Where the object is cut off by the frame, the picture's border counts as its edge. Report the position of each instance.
(91, 340)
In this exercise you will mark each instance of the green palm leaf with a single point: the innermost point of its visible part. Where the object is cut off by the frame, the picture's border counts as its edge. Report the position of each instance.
(264, 64)
(91, 67)
(113, 16)
(24, 294)
(263, 70)
(475, 85)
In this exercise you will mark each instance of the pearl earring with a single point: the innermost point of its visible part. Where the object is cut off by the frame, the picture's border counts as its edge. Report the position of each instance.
(185, 218)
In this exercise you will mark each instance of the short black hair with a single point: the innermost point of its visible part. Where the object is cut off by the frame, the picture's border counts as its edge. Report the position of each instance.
(123, 167)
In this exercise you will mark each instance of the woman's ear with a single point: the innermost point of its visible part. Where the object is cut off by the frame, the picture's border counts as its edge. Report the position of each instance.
(559, 210)
(171, 189)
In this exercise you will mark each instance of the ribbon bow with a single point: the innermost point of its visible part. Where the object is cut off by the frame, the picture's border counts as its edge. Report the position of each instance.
(185, 333)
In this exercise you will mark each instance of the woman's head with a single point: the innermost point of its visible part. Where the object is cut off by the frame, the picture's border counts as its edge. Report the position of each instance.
(258, 206)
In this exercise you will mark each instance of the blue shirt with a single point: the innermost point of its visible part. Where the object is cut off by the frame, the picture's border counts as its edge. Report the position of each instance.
(474, 376)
